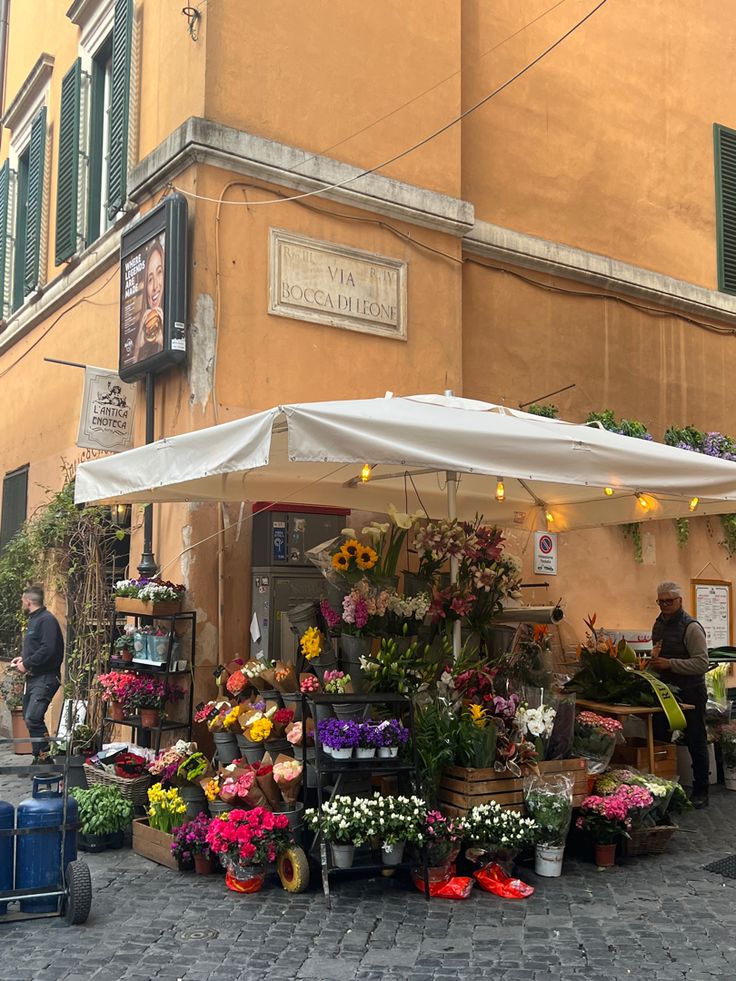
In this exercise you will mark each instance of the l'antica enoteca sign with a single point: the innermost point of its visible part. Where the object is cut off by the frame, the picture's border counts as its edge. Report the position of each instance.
(336, 285)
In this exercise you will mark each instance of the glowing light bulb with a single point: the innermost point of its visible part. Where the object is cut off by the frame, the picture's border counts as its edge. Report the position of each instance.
(608, 491)
(500, 491)
(642, 502)
(365, 473)
(549, 516)
(694, 503)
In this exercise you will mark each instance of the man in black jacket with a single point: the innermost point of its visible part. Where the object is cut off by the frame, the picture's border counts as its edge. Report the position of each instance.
(681, 658)
(40, 661)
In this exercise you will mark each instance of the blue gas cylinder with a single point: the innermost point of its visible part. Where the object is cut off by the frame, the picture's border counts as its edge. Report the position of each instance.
(38, 856)
(7, 851)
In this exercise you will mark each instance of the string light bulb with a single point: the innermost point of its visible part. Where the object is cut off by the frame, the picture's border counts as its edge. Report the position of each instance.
(608, 491)
(549, 516)
(642, 502)
(694, 503)
(500, 491)
(365, 473)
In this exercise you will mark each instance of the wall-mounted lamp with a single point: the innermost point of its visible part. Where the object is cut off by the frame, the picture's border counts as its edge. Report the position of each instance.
(500, 490)
(120, 515)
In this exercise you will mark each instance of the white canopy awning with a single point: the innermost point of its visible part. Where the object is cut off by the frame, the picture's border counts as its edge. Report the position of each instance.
(312, 453)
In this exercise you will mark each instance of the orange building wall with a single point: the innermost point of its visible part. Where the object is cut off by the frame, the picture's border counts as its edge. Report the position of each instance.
(607, 143)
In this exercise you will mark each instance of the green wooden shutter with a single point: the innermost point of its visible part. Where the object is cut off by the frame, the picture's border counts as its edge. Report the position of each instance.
(35, 201)
(67, 185)
(725, 153)
(4, 198)
(15, 504)
(122, 38)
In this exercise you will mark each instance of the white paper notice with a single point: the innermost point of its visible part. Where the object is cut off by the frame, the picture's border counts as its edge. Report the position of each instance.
(255, 629)
(712, 609)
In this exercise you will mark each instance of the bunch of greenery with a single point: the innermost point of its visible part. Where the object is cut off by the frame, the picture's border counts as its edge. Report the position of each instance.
(603, 678)
(546, 409)
(102, 810)
(624, 427)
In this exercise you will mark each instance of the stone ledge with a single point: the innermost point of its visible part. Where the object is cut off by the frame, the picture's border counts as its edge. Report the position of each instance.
(203, 141)
(555, 259)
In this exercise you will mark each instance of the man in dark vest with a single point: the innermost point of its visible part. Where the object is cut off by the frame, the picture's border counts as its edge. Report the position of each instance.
(40, 662)
(680, 657)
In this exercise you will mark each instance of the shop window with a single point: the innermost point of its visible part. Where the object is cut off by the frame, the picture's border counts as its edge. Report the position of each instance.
(15, 504)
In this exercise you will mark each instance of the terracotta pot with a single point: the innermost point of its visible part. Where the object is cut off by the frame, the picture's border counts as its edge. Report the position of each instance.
(126, 655)
(605, 855)
(150, 718)
(115, 711)
(203, 864)
(20, 731)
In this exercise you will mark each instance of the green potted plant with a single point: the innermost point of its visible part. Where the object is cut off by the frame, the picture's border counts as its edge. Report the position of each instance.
(124, 646)
(104, 814)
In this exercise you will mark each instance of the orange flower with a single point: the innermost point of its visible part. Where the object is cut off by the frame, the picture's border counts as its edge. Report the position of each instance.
(540, 632)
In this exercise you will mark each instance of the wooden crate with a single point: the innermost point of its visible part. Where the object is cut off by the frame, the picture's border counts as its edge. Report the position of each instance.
(152, 844)
(462, 788)
(634, 753)
(163, 608)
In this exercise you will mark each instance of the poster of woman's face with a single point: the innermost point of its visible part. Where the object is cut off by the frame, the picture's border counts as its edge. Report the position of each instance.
(143, 303)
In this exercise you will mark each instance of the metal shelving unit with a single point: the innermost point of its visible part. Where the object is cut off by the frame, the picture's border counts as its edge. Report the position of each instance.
(143, 735)
(325, 766)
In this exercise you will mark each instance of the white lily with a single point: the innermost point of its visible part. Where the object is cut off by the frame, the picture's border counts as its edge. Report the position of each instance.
(403, 520)
(349, 532)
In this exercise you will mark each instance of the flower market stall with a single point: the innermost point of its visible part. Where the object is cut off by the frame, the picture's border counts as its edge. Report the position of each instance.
(482, 723)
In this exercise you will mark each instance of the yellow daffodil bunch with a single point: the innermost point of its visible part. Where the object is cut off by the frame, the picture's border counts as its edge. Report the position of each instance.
(311, 642)
(166, 809)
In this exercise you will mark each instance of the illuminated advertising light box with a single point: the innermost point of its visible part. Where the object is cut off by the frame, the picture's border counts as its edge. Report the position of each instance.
(153, 291)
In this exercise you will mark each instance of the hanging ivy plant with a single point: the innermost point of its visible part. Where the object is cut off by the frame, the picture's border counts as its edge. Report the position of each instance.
(728, 524)
(633, 531)
(682, 526)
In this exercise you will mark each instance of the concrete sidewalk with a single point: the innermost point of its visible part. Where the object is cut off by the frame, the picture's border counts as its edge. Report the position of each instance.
(660, 916)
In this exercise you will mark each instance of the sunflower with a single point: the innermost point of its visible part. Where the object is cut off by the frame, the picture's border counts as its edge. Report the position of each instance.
(351, 548)
(340, 562)
(366, 557)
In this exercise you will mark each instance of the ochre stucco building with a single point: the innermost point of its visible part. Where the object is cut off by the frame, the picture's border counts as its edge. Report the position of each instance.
(563, 233)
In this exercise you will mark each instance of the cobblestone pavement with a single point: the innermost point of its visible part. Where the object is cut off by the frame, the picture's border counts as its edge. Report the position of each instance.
(661, 917)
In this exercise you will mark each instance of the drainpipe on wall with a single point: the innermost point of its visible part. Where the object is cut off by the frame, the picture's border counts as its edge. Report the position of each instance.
(4, 7)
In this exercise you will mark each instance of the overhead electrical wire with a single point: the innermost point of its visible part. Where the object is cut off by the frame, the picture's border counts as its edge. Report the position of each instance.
(427, 139)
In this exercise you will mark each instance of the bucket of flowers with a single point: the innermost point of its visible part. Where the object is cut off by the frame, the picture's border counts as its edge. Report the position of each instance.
(346, 823)
(246, 841)
(400, 821)
(148, 597)
(548, 800)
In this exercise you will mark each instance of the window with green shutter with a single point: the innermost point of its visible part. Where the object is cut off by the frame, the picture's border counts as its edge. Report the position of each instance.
(15, 504)
(99, 141)
(36, 161)
(4, 209)
(67, 190)
(19, 244)
(122, 42)
(725, 154)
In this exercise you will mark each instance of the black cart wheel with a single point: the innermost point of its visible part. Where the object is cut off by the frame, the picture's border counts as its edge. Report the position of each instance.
(79, 892)
(293, 869)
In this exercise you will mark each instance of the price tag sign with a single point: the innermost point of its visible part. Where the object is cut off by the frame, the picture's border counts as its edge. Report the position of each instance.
(545, 553)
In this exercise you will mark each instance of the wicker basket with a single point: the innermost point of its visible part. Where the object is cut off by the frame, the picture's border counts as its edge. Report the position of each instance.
(135, 790)
(648, 841)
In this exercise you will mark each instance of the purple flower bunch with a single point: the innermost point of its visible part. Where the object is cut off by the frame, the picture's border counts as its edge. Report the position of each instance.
(331, 617)
(338, 733)
(390, 732)
(190, 839)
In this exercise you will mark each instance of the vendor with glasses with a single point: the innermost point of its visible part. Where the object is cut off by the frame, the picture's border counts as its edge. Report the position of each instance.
(680, 657)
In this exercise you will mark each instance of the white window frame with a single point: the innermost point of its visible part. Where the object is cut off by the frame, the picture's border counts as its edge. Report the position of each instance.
(96, 19)
(19, 120)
